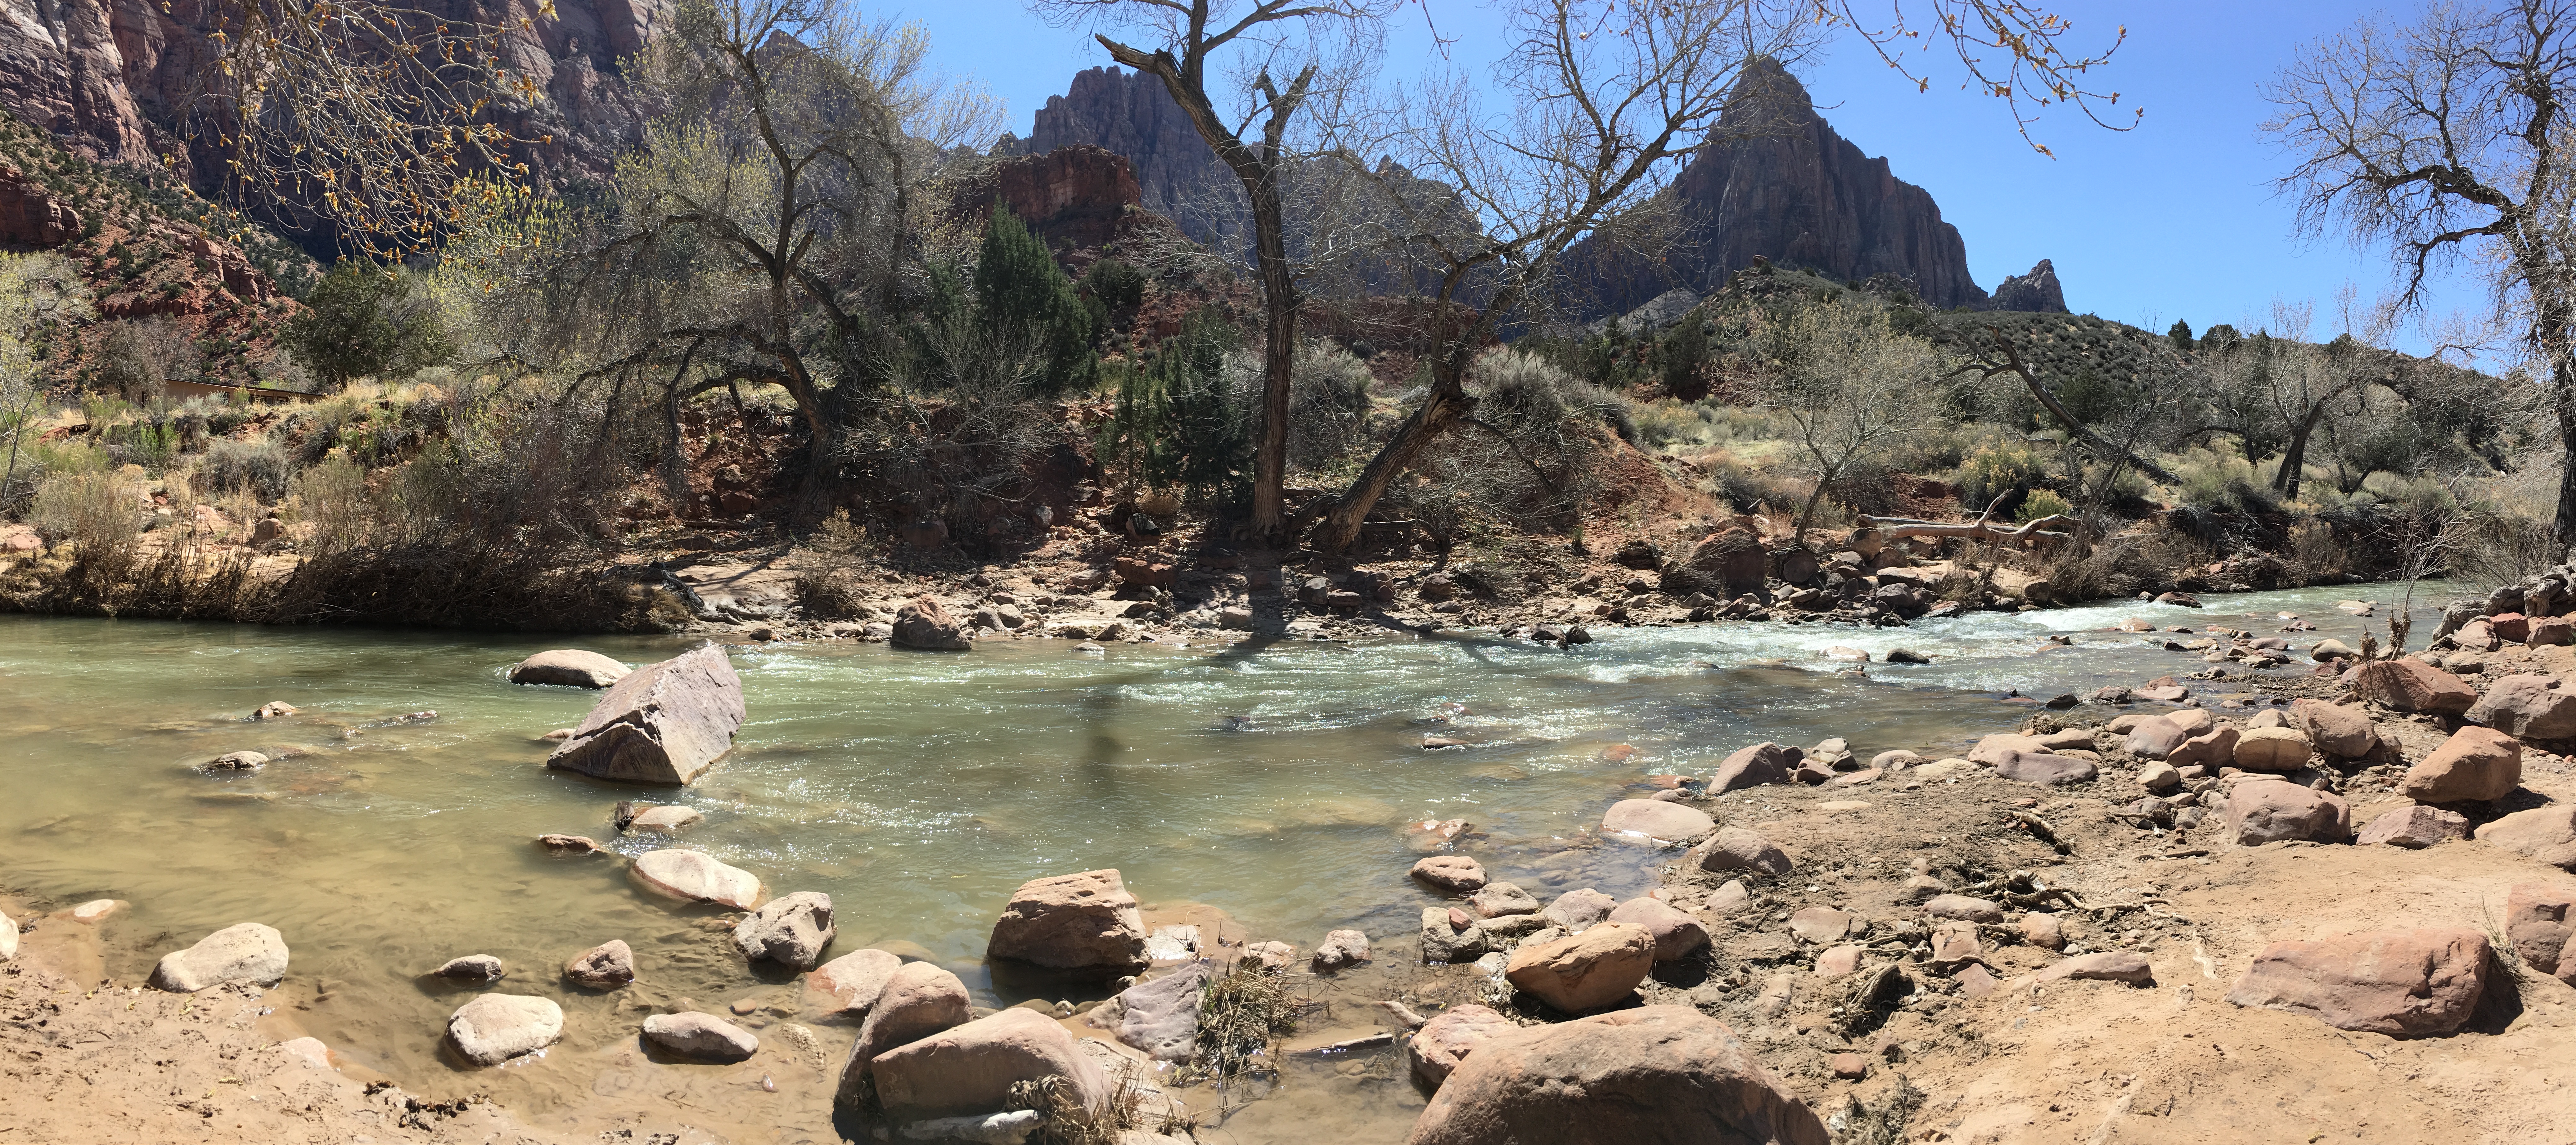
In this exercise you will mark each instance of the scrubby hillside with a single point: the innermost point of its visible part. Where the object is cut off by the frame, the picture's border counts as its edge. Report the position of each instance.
(205, 279)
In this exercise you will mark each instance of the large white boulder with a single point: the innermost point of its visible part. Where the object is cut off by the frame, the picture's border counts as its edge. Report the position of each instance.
(569, 667)
(243, 952)
(493, 1028)
(696, 876)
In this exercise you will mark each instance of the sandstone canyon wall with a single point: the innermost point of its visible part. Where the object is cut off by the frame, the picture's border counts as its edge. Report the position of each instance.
(113, 78)
(1777, 183)
(1130, 114)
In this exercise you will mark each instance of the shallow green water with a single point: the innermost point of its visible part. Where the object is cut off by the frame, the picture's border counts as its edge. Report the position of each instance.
(917, 789)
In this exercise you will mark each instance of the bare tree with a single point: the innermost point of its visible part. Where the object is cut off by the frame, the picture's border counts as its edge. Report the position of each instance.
(2445, 138)
(374, 117)
(1601, 102)
(1996, 355)
(1301, 38)
(770, 228)
(2291, 386)
(1849, 386)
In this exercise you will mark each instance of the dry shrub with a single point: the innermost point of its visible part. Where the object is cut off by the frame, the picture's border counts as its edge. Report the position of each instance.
(2317, 555)
(832, 594)
(1528, 457)
(1879, 1122)
(258, 468)
(496, 524)
(1066, 1121)
(1326, 407)
(100, 515)
(1745, 489)
(2496, 548)
(2117, 566)
(111, 569)
(841, 537)
(139, 356)
(966, 459)
(1867, 487)
(1241, 1015)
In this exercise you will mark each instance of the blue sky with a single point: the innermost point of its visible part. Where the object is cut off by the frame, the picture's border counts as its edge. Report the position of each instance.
(2175, 219)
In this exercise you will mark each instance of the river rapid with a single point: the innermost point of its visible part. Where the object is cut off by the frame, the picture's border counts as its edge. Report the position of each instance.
(1273, 782)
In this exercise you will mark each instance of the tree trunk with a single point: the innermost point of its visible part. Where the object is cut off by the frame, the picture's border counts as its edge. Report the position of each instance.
(1257, 170)
(1982, 529)
(2562, 394)
(1444, 406)
(1278, 359)
(1798, 533)
(2294, 460)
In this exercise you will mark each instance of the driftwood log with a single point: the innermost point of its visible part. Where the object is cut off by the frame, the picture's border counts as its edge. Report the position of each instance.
(1982, 529)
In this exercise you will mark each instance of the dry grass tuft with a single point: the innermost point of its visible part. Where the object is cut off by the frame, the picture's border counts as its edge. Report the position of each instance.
(1241, 1016)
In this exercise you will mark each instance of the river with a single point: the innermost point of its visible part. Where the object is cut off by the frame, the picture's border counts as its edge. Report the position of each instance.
(1271, 782)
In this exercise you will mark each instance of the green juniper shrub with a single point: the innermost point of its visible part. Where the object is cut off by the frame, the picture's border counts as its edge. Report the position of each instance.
(1178, 420)
(1117, 284)
(361, 320)
(1022, 298)
(1681, 358)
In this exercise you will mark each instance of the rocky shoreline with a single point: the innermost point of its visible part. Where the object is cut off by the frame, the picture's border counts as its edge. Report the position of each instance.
(1817, 919)
(1136, 591)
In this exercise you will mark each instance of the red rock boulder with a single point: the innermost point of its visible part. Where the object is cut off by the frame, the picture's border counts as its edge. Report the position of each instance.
(1436, 1049)
(2414, 828)
(2540, 925)
(1753, 766)
(2475, 764)
(2411, 685)
(2402, 983)
(664, 723)
(1657, 819)
(2528, 705)
(2545, 834)
(2343, 731)
(1654, 1075)
(971, 1068)
(2263, 811)
(1085, 922)
(926, 625)
(919, 1000)
(1733, 559)
(1586, 971)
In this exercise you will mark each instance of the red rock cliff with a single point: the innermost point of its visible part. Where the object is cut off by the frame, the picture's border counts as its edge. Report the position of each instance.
(1777, 183)
(110, 77)
(1131, 115)
(1072, 196)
